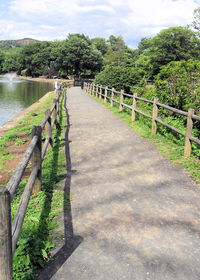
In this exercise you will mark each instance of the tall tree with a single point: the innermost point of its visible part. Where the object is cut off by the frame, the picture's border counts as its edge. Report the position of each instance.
(36, 58)
(100, 44)
(81, 56)
(11, 61)
(196, 22)
(118, 54)
(172, 44)
(178, 85)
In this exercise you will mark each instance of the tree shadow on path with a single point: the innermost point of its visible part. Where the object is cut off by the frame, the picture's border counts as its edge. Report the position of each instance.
(71, 242)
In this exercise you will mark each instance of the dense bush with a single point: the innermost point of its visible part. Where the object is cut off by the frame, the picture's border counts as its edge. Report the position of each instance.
(119, 78)
(177, 85)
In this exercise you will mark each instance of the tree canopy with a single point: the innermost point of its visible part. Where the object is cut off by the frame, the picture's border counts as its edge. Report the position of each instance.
(77, 55)
(171, 55)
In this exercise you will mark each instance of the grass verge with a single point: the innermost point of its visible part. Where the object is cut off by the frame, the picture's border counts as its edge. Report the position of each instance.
(35, 242)
(170, 150)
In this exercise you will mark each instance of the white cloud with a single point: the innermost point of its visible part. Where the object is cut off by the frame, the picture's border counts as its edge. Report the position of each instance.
(160, 12)
(56, 8)
(133, 19)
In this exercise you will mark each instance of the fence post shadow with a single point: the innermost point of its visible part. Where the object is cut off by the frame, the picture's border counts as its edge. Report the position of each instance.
(71, 242)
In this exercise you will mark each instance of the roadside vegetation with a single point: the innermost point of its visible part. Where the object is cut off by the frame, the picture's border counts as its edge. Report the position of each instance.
(35, 242)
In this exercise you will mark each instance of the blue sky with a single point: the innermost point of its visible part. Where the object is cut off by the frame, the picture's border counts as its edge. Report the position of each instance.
(55, 19)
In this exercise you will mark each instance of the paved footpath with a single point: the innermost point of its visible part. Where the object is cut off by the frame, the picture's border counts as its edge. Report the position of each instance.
(134, 215)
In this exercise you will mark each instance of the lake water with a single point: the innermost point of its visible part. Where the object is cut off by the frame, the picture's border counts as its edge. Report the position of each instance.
(17, 94)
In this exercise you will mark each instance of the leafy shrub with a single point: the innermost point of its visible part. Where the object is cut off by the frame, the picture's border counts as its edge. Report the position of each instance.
(178, 85)
(119, 78)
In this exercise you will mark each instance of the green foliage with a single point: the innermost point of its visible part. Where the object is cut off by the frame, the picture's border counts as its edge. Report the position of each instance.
(35, 58)
(196, 22)
(20, 142)
(100, 44)
(177, 85)
(24, 127)
(172, 44)
(118, 54)
(81, 55)
(119, 78)
(11, 61)
(74, 56)
(35, 242)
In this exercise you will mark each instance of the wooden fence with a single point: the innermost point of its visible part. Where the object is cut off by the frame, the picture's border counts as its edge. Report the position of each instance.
(109, 94)
(9, 233)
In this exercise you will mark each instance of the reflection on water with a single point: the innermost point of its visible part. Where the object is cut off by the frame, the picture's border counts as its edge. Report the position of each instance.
(17, 95)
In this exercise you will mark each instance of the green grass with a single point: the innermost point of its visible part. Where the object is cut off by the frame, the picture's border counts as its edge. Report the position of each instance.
(36, 238)
(23, 127)
(171, 148)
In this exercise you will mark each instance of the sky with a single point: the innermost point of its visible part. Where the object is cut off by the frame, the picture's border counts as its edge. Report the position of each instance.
(55, 19)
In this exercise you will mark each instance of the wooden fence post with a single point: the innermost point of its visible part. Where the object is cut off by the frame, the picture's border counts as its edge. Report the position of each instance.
(54, 114)
(97, 90)
(121, 100)
(48, 126)
(112, 97)
(134, 107)
(188, 134)
(36, 158)
(93, 90)
(5, 235)
(90, 89)
(106, 93)
(100, 92)
(155, 114)
(56, 93)
(58, 101)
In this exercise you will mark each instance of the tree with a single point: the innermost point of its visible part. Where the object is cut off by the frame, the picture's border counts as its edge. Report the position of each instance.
(196, 22)
(11, 62)
(144, 44)
(178, 84)
(144, 66)
(36, 58)
(116, 54)
(100, 45)
(81, 56)
(172, 44)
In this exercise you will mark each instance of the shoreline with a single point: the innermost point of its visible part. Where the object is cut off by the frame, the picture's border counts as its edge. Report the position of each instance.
(12, 122)
(47, 80)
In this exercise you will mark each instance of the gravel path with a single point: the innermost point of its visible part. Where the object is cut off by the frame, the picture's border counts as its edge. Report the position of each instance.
(133, 215)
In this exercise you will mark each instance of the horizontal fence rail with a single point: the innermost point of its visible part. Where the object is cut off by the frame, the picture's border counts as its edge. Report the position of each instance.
(10, 232)
(109, 94)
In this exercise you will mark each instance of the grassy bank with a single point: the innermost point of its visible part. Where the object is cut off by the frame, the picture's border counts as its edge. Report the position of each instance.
(35, 241)
(170, 150)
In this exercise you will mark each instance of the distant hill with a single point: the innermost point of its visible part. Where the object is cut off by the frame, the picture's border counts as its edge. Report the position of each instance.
(11, 44)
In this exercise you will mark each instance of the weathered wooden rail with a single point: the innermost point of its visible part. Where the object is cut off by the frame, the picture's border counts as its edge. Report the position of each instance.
(109, 94)
(10, 232)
